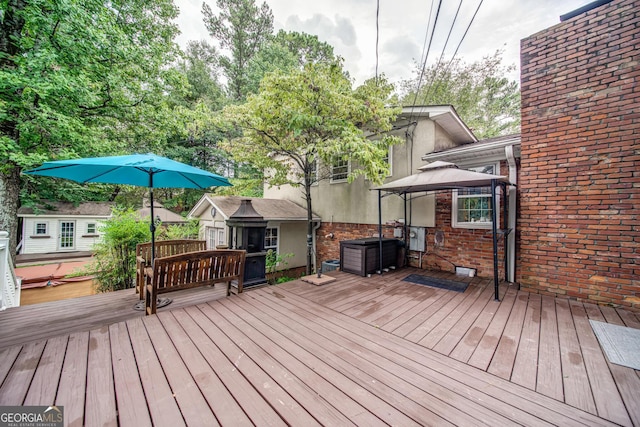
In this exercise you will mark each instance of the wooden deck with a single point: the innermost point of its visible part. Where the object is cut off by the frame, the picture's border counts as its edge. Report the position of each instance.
(359, 351)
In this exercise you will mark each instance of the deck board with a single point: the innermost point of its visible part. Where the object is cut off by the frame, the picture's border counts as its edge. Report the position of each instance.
(73, 379)
(524, 371)
(577, 389)
(100, 406)
(132, 411)
(337, 354)
(42, 389)
(16, 385)
(549, 380)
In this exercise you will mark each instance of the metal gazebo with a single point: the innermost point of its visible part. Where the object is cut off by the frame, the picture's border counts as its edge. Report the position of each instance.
(441, 175)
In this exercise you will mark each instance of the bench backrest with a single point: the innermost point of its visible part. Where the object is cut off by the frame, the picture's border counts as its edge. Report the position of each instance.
(201, 268)
(170, 247)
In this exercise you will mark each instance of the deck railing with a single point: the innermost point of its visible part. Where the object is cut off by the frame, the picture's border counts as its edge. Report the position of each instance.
(9, 285)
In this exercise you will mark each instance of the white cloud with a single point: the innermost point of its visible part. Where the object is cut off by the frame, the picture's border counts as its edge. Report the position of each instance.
(350, 27)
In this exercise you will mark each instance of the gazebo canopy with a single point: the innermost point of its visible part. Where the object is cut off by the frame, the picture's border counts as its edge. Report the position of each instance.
(440, 175)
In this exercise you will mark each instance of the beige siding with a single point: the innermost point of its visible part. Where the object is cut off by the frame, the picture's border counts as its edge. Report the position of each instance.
(356, 203)
(293, 239)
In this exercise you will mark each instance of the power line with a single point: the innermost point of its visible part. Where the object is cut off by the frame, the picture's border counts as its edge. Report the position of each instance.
(446, 68)
(377, 35)
(426, 54)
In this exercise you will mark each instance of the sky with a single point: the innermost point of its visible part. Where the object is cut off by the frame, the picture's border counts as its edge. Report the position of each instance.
(350, 27)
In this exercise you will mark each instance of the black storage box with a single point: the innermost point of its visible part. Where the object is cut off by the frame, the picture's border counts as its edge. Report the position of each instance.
(362, 256)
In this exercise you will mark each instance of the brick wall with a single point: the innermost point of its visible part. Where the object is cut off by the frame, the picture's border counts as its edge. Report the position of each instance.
(580, 176)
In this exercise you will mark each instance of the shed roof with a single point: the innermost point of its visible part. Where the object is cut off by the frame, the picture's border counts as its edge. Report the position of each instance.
(50, 208)
(270, 209)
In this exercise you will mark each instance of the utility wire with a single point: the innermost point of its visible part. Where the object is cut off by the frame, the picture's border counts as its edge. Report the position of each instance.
(446, 68)
(377, 35)
(425, 54)
(444, 48)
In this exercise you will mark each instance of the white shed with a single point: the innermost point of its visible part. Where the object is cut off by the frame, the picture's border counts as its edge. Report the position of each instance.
(62, 227)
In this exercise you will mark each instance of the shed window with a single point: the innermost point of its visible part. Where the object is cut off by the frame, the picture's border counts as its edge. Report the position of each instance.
(40, 229)
(91, 228)
(271, 238)
(472, 206)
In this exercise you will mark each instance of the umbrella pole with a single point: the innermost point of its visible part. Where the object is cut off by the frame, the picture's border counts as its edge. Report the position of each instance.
(152, 227)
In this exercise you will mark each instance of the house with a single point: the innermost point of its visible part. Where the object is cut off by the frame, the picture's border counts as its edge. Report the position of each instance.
(580, 174)
(350, 211)
(286, 224)
(62, 227)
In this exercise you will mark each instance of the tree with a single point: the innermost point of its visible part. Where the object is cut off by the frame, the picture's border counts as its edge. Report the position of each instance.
(80, 78)
(313, 115)
(242, 28)
(200, 66)
(286, 51)
(487, 101)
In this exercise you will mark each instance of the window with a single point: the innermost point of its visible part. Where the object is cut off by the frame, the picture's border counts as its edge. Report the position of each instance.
(40, 229)
(472, 206)
(339, 170)
(389, 160)
(271, 238)
(91, 228)
(215, 237)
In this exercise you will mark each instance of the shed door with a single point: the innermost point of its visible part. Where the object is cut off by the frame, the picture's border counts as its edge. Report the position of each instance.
(67, 235)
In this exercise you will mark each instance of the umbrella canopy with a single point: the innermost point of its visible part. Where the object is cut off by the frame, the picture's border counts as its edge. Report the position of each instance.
(142, 170)
(440, 176)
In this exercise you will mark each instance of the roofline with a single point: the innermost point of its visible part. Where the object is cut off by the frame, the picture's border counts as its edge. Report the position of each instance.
(440, 114)
(46, 214)
(478, 151)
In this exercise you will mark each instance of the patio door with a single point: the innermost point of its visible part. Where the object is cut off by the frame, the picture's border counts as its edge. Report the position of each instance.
(67, 235)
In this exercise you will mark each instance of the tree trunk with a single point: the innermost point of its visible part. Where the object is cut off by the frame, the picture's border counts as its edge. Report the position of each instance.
(310, 253)
(10, 196)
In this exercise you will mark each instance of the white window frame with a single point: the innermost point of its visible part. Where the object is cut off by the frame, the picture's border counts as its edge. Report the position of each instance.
(91, 225)
(267, 236)
(46, 228)
(389, 160)
(215, 236)
(348, 169)
(456, 199)
(315, 171)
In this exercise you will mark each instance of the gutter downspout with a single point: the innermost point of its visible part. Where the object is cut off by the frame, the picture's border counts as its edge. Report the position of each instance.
(511, 238)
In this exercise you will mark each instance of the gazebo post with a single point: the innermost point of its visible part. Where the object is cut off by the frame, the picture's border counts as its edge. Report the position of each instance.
(506, 231)
(404, 231)
(494, 227)
(380, 229)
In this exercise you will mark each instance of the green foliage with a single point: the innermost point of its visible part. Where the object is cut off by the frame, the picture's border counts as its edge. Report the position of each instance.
(190, 230)
(286, 51)
(241, 27)
(313, 114)
(486, 100)
(80, 78)
(273, 261)
(115, 256)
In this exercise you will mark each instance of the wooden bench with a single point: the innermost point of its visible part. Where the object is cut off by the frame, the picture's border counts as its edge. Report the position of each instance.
(192, 269)
(164, 248)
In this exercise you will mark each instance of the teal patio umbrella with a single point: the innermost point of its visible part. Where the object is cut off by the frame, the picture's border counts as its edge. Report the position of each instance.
(142, 170)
